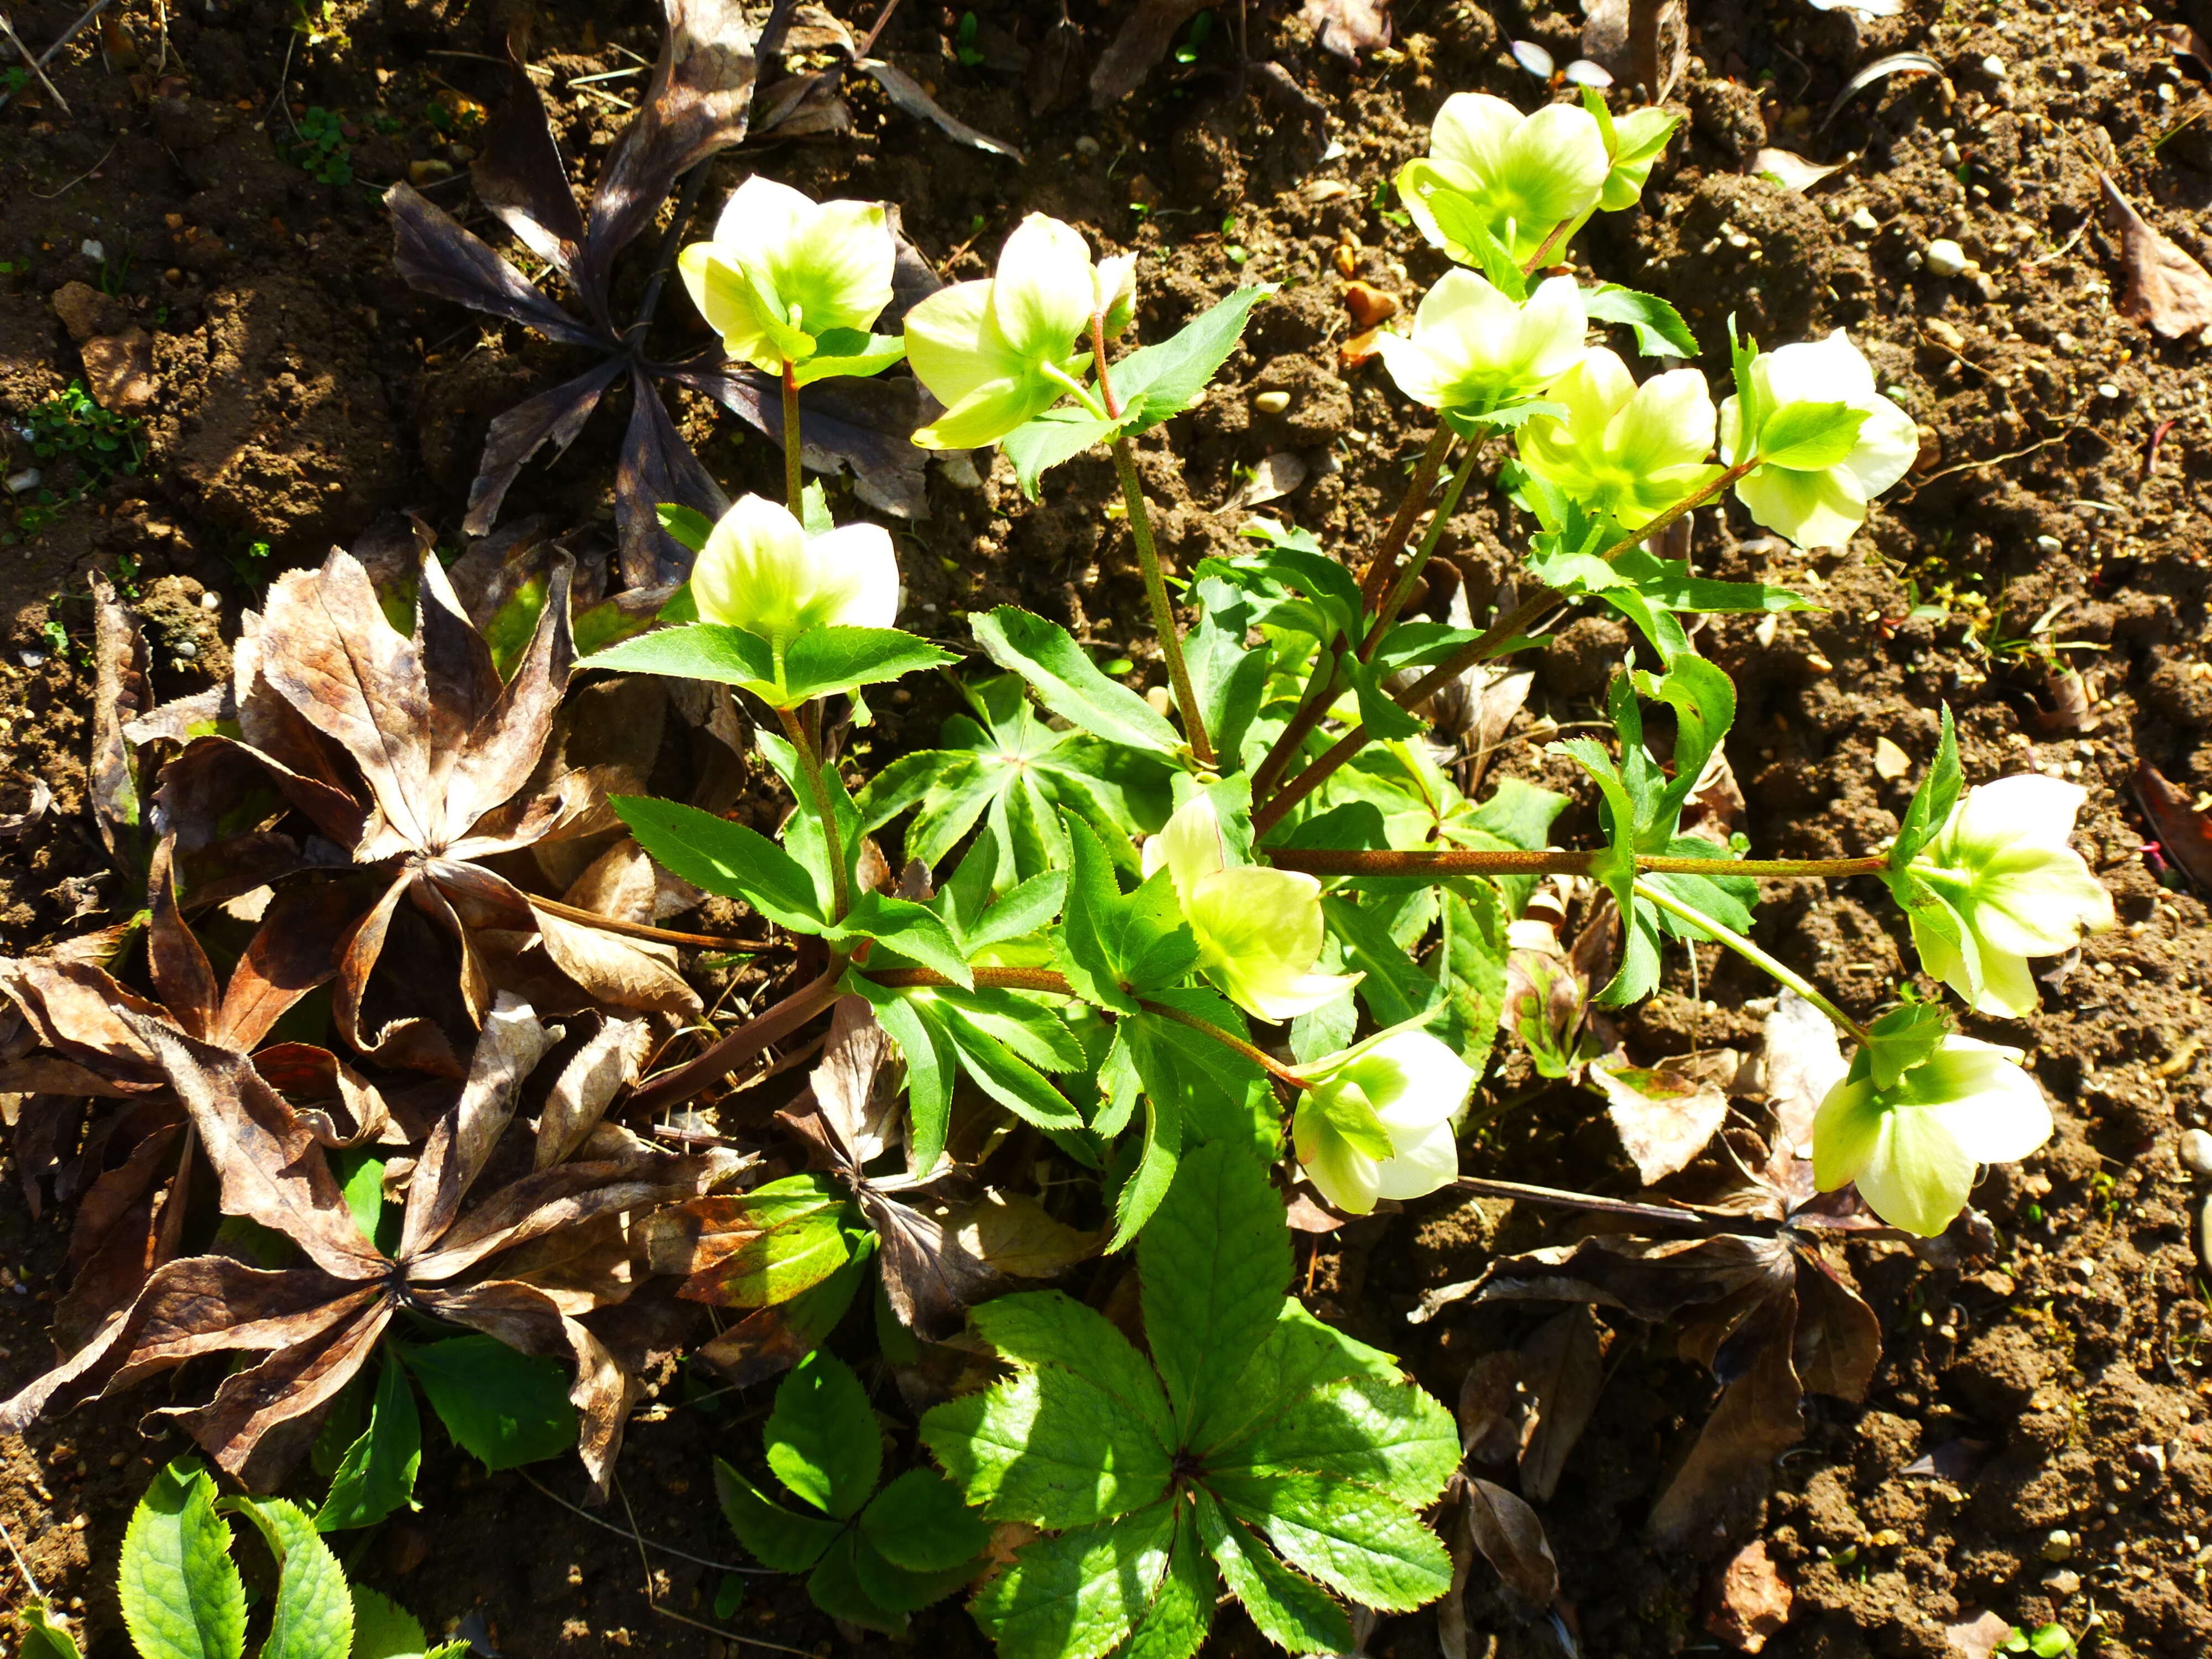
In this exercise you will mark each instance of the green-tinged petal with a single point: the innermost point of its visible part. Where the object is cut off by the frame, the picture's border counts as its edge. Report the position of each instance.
(950, 346)
(1811, 509)
(718, 286)
(1919, 1177)
(1042, 291)
(1847, 1131)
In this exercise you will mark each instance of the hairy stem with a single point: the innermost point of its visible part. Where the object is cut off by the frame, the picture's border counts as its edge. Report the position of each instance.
(1402, 589)
(643, 930)
(1475, 861)
(810, 766)
(794, 469)
(1045, 979)
(1156, 589)
(772, 1025)
(1536, 260)
(1752, 954)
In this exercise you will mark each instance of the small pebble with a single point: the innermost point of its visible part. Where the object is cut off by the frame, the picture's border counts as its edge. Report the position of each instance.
(2050, 544)
(1945, 257)
(27, 479)
(2196, 1152)
(2058, 1544)
(2062, 1581)
(187, 651)
(1950, 156)
(1086, 146)
(211, 601)
(1864, 222)
(2106, 389)
(95, 251)
(1271, 403)
(1913, 260)
(1994, 67)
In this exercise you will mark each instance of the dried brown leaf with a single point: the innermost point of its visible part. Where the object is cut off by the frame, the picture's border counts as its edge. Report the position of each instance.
(908, 95)
(1760, 1416)
(1141, 42)
(1563, 1364)
(1493, 1415)
(1978, 1637)
(121, 695)
(1510, 1536)
(508, 1049)
(606, 1064)
(1664, 1118)
(1347, 27)
(519, 175)
(2165, 288)
(2183, 834)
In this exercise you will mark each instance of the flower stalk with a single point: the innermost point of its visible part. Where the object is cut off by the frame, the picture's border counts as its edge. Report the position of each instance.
(795, 727)
(1485, 861)
(1773, 966)
(794, 472)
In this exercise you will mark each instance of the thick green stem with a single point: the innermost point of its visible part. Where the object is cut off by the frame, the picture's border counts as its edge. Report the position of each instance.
(794, 473)
(1752, 954)
(1492, 644)
(1156, 589)
(1044, 979)
(1477, 861)
(1402, 589)
(810, 766)
(1322, 688)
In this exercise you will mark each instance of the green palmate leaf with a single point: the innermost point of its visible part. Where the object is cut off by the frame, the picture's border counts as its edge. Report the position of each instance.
(1163, 380)
(899, 1590)
(724, 858)
(1660, 330)
(931, 1065)
(314, 1617)
(376, 1476)
(1115, 947)
(1075, 1596)
(1157, 1155)
(696, 651)
(1806, 437)
(1355, 1541)
(1003, 1074)
(1703, 698)
(1214, 1261)
(1027, 1025)
(784, 1540)
(919, 1523)
(1056, 435)
(1229, 678)
(1049, 1448)
(1220, 1094)
(1183, 1605)
(1069, 683)
(1300, 1357)
(1395, 989)
(791, 1256)
(503, 1408)
(823, 1439)
(382, 1629)
(1290, 1611)
(824, 660)
(1039, 1328)
(182, 1596)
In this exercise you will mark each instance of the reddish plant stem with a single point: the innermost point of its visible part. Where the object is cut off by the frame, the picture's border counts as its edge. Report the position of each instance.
(1472, 862)
(794, 472)
(674, 1087)
(643, 930)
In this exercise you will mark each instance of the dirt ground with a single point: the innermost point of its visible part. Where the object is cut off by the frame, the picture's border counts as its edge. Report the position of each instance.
(300, 391)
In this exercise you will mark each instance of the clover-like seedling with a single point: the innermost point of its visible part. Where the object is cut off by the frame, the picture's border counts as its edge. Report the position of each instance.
(1256, 1445)
(871, 1557)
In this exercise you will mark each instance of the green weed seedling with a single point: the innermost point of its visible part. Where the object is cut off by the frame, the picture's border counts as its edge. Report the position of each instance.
(872, 1557)
(325, 150)
(183, 1596)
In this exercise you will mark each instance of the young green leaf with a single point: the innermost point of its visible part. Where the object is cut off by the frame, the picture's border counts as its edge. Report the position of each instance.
(918, 1522)
(382, 1629)
(503, 1408)
(1214, 1260)
(697, 651)
(729, 859)
(823, 1439)
(1069, 683)
(376, 1476)
(784, 1541)
(1057, 435)
(1660, 330)
(1159, 382)
(1359, 1542)
(824, 660)
(44, 1635)
(1806, 437)
(314, 1616)
(1075, 1596)
(1932, 802)
(182, 1596)
(1290, 1611)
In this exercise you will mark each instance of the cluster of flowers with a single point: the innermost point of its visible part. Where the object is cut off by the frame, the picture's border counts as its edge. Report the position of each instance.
(793, 286)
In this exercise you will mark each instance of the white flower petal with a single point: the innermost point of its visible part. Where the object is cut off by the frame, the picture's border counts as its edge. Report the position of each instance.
(1420, 1162)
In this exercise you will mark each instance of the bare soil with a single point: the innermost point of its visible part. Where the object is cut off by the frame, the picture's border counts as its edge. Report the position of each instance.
(303, 392)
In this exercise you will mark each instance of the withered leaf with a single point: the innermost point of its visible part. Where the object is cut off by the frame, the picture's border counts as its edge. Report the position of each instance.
(1760, 1416)
(1664, 1116)
(1347, 27)
(908, 95)
(2184, 835)
(2165, 288)
(606, 1064)
(1563, 1364)
(1141, 42)
(1493, 1417)
(121, 695)
(1510, 1536)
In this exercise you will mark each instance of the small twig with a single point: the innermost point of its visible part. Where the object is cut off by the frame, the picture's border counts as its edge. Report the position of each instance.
(68, 35)
(81, 177)
(643, 930)
(640, 1539)
(1628, 1210)
(876, 28)
(38, 66)
(22, 1565)
(653, 1601)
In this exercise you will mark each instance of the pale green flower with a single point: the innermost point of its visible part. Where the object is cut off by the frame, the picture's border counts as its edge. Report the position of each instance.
(1259, 930)
(1473, 350)
(1521, 176)
(1633, 451)
(1820, 506)
(999, 352)
(2001, 866)
(1914, 1147)
(783, 271)
(762, 572)
(1376, 1119)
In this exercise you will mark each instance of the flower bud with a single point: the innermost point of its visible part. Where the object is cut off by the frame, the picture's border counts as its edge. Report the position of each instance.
(1913, 1146)
(1473, 350)
(782, 271)
(1819, 502)
(1633, 451)
(999, 352)
(760, 571)
(1376, 1121)
(1259, 930)
(2007, 887)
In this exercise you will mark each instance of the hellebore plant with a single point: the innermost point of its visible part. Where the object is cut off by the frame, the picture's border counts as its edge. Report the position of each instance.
(1185, 951)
